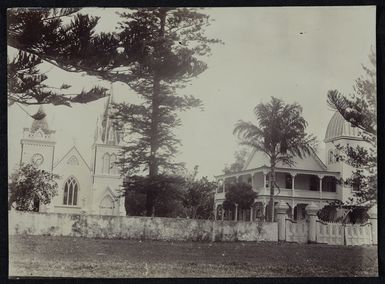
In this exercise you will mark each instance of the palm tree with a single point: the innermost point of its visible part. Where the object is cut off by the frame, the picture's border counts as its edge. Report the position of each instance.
(280, 134)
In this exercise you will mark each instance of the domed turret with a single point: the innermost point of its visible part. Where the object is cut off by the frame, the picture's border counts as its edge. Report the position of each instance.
(339, 128)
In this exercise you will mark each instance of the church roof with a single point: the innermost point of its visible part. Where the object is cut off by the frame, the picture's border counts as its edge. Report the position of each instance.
(339, 128)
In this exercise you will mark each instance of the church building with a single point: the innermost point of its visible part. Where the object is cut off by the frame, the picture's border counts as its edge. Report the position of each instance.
(83, 187)
(309, 180)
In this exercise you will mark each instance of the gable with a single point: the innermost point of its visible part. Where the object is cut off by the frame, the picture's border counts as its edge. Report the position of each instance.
(310, 162)
(73, 158)
(73, 161)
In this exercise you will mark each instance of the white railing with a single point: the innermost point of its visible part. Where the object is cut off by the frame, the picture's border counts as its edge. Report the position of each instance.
(329, 195)
(299, 193)
(285, 192)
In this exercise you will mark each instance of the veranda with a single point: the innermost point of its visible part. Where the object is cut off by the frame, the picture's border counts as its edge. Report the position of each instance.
(297, 188)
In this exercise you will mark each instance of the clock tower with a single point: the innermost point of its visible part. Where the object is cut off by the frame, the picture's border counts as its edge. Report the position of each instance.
(38, 143)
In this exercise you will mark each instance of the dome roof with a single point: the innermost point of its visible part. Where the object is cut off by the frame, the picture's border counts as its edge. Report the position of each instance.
(339, 128)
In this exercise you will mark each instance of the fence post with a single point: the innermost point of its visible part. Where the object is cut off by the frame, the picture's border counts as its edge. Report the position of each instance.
(311, 211)
(372, 212)
(281, 216)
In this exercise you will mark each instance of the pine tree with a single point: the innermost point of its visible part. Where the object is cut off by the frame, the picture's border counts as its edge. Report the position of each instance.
(39, 35)
(360, 109)
(163, 48)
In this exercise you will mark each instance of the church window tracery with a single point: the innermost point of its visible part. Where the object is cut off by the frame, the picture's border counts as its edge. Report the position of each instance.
(73, 161)
(70, 196)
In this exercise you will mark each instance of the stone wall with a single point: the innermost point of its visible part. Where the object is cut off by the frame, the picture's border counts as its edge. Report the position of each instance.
(95, 226)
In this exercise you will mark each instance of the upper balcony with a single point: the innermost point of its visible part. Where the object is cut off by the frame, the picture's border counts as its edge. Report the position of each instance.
(289, 184)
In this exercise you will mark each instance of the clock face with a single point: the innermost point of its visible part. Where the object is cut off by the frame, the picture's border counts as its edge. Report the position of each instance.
(37, 159)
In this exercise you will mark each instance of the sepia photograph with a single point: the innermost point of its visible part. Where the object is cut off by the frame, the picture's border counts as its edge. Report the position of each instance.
(174, 142)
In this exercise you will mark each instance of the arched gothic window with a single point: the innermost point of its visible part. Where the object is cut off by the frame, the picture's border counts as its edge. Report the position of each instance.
(331, 157)
(70, 196)
(114, 168)
(106, 164)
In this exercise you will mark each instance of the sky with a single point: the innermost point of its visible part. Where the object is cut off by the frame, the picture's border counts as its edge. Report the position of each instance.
(293, 53)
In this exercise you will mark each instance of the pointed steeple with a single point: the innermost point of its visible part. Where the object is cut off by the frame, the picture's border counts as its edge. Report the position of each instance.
(98, 132)
(108, 133)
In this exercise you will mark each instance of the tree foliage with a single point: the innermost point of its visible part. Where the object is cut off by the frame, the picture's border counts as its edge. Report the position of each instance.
(167, 188)
(176, 195)
(29, 186)
(279, 133)
(239, 163)
(198, 197)
(162, 51)
(39, 35)
(156, 51)
(360, 109)
(241, 194)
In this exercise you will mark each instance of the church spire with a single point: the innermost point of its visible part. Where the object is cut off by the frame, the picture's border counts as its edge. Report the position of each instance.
(98, 132)
(108, 134)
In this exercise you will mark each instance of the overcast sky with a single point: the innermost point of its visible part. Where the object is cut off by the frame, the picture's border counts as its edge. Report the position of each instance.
(296, 54)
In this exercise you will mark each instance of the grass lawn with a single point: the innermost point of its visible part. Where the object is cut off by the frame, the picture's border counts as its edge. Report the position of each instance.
(83, 257)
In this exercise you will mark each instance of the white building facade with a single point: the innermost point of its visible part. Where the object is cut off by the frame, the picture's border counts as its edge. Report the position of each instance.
(310, 180)
(90, 188)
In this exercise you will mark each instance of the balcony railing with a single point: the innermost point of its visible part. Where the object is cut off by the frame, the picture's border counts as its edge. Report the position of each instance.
(285, 192)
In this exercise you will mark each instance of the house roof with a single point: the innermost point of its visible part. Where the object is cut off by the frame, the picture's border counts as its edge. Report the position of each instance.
(309, 162)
